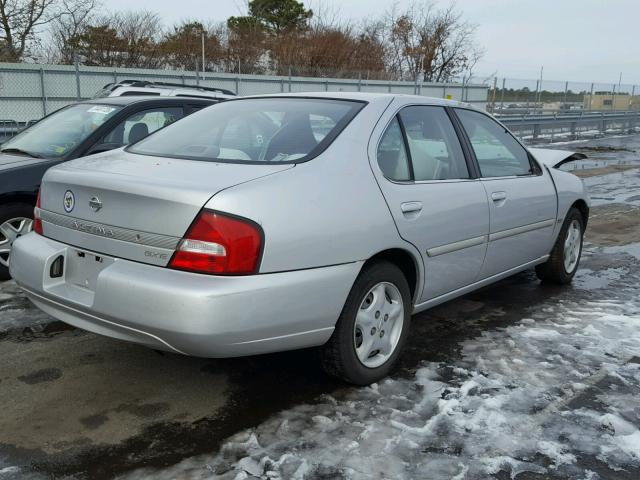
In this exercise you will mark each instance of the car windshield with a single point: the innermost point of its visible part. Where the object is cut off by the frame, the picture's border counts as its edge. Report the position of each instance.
(61, 132)
(254, 130)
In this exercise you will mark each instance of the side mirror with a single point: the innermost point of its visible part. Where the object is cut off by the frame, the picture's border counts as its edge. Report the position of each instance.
(103, 147)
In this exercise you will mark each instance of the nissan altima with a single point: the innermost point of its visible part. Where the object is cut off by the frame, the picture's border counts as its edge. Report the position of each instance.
(288, 221)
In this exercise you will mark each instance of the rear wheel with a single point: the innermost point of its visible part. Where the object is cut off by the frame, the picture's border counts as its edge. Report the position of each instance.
(16, 219)
(563, 262)
(372, 329)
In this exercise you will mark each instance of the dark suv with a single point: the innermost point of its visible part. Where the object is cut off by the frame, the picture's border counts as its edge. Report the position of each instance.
(74, 131)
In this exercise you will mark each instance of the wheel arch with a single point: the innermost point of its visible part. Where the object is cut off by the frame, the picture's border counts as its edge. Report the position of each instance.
(405, 261)
(583, 208)
(28, 198)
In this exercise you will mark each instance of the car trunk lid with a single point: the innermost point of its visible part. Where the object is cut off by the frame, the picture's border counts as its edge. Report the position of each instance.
(134, 206)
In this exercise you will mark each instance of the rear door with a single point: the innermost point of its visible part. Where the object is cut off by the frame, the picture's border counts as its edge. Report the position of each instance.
(436, 202)
(521, 195)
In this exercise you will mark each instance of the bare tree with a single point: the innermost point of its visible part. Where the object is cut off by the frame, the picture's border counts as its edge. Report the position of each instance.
(130, 39)
(428, 43)
(19, 22)
(75, 17)
(140, 32)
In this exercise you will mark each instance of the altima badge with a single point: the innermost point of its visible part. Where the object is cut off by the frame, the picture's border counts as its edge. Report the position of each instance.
(69, 201)
(95, 204)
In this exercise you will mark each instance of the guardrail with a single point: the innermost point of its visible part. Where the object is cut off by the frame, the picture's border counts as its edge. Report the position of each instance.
(527, 127)
(534, 127)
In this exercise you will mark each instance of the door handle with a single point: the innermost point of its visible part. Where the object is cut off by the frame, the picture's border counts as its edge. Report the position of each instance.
(498, 196)
(411, 207)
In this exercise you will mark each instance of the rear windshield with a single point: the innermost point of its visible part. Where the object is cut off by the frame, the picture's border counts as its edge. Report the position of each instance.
(254, 130)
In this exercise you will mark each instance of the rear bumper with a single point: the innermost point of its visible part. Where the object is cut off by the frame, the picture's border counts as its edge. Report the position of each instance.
(193, 314)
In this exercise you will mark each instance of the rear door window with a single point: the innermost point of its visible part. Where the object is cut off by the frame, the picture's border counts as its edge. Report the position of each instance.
(392, 154)
(140, 124)
(435, 150)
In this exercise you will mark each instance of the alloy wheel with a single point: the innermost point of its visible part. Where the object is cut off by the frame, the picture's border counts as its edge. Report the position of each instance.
(10, 230)
(572, 244)
(378, 324)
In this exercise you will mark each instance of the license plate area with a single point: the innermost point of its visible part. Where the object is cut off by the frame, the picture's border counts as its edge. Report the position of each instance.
(73, 274)
(82, 269)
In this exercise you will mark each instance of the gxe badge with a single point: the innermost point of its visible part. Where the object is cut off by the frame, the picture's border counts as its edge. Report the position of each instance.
(69, 201)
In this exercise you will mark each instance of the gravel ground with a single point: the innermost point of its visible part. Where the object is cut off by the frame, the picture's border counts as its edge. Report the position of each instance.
(518, 380)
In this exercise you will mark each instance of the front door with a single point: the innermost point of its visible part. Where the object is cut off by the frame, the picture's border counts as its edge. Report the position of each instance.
(434, 202)
(521, 195)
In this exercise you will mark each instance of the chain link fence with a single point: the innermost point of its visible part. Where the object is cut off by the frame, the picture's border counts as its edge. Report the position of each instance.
(508, 96)
(29, 92)
(536, 110)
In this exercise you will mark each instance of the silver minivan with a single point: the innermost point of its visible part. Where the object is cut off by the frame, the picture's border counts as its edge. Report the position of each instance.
(280, 222)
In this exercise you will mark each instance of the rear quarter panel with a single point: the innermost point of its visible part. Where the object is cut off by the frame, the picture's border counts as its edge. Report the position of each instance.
(326, 211)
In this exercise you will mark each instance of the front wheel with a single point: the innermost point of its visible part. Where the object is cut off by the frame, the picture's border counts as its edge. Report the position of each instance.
(15, 221)
(372, 329)
(563, 262)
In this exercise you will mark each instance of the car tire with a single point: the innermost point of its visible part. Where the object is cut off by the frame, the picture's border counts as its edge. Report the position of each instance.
(12, 214)
(350, 354)
(564, 260)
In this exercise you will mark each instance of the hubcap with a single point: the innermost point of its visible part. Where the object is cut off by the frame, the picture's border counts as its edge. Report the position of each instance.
(572, 245)
(9, 231)
(378, 325)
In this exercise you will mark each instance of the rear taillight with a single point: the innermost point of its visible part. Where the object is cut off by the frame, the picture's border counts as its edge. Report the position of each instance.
(37, 222)
(219, 244)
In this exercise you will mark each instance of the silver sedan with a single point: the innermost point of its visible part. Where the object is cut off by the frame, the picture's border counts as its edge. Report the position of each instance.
(280, 222)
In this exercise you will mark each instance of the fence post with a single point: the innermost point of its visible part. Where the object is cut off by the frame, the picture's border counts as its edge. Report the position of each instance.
(613, 99)
(289, 79)
(115, 77)
(493, 96)
(326, 85)
(390, 86)
(77, 69)
(504, 80)
(591, 97)
(462, 94)
(42, 92)
(359, 81)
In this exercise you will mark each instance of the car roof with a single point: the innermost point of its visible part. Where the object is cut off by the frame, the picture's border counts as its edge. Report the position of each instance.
(368, 97)
(131, 99)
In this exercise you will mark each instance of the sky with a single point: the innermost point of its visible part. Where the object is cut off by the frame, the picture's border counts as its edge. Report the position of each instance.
(575, 40)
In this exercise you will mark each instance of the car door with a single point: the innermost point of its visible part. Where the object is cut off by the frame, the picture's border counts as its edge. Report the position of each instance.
(521, 195)
(436, 202)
